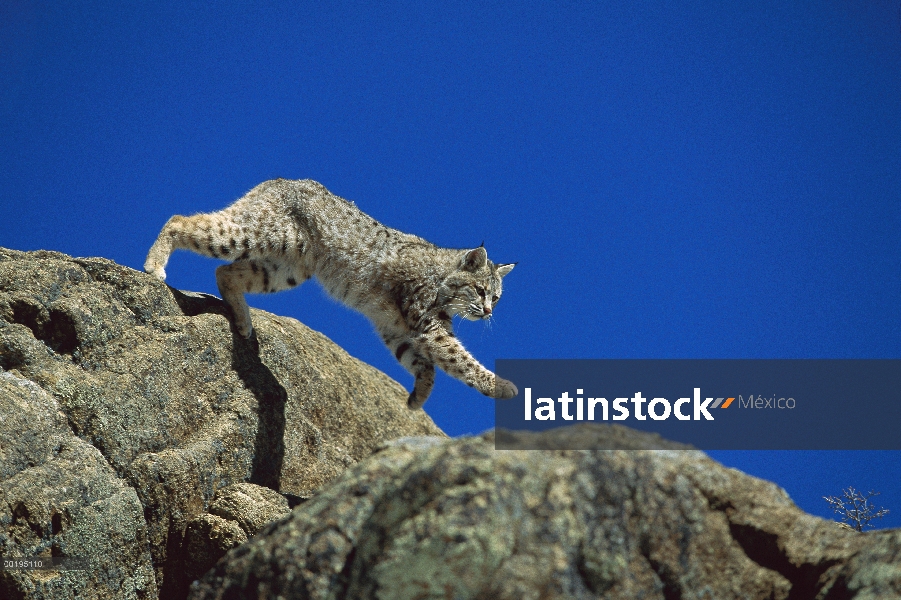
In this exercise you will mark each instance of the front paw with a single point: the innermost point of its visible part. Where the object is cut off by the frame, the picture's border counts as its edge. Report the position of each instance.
(503, 389)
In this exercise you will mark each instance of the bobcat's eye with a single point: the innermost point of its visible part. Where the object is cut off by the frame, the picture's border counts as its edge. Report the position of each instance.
(495, 298)
(481, 292)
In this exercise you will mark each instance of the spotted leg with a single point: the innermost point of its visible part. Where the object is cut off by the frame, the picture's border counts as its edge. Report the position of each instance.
(254, 277)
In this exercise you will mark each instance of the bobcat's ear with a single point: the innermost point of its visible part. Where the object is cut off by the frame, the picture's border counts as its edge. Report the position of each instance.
(502, 270)
(474, 259)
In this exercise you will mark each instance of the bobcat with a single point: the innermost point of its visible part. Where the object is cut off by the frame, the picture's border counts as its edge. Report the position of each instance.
(283, 232)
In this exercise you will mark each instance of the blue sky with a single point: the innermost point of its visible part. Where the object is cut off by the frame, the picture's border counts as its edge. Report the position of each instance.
(676, 180)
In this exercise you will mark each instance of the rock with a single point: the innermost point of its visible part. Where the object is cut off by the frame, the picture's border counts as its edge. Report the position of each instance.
(251, 506)
(239, 511)
(153, 404)
(585, 436)
(139, 433)
(59, 497)
(207, 538)
(459, 519)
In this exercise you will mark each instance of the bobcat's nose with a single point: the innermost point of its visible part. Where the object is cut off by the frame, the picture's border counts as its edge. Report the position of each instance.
(486, 311)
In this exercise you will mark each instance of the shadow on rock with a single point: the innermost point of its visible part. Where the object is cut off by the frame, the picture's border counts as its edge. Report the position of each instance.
(270, 394)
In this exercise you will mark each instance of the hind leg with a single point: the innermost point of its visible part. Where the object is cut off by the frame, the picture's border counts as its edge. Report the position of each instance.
(213, 234)
(174, 235)
(229, 234)
(254, 277)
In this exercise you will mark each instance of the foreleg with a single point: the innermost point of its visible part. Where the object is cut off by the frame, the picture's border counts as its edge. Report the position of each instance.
(446, 351)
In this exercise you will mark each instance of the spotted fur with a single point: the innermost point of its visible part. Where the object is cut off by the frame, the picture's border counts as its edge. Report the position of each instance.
(284, 232)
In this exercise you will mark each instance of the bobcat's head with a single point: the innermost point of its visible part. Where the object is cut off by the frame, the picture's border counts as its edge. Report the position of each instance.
(475, 286)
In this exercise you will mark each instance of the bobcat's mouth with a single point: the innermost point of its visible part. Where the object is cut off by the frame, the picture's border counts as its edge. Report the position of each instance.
(474, 312)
